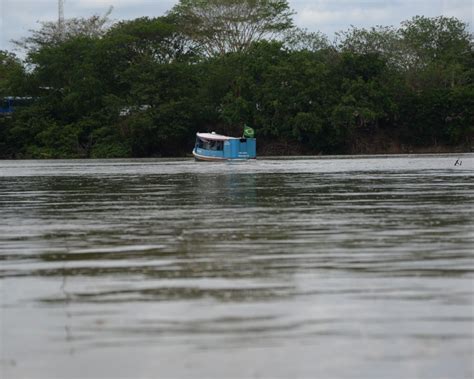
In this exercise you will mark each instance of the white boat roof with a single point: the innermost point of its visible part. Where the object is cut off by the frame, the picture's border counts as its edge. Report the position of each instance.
(214, 137)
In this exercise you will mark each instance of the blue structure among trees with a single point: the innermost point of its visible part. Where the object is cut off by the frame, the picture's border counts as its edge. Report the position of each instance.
(9, 103)
(6, 106)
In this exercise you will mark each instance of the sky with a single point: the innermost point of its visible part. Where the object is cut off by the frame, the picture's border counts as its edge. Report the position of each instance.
(17, 17)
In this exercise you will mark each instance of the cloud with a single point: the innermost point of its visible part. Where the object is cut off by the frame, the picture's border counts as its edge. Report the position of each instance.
(157, 5)
(311, 16)
(461, 9)
(330, 17)
(103, 3)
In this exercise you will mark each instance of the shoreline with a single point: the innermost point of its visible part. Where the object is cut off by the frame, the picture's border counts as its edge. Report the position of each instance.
(267, 157)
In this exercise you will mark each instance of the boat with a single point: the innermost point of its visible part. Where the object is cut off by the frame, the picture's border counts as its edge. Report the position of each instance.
(216, 147)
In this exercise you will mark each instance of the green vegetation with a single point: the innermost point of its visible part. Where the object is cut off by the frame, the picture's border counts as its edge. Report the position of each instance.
(144, 87)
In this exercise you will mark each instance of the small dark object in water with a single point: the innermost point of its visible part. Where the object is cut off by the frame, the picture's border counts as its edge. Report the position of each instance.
(458, 163)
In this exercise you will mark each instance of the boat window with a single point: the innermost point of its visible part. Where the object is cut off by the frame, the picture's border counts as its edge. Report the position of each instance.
(199, 143)
(216, 145)
(209, 145)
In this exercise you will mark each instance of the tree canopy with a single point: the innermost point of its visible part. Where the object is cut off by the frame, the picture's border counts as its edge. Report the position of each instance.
(144, 87)
(53, 33)
(223, 26)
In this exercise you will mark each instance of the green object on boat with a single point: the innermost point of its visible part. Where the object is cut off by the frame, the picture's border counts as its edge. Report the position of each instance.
(248, 132)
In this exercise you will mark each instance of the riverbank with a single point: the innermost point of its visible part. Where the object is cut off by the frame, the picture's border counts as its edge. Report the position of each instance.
(367, 149)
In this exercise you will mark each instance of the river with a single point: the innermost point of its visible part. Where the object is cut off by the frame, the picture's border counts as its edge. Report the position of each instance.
(323, 267)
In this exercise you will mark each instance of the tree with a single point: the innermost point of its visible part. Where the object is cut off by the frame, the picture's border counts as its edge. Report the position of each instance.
(156, 39)
(11, 72)
(384, 41)
(222, 26)
(52, 33)
(438, 39)
(438, 52)
(297, 39)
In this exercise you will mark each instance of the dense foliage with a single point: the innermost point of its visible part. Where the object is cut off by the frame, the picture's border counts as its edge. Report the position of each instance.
(144, 87)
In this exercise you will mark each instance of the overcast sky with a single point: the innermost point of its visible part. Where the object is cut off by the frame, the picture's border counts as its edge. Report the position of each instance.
(327, 16)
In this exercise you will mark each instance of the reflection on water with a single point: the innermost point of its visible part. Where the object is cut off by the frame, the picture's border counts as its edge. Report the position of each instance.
(357, 267)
